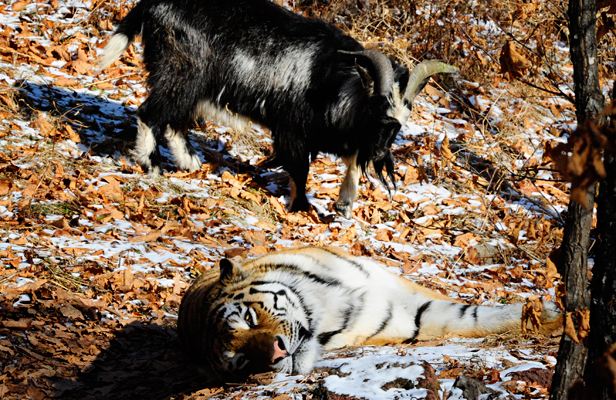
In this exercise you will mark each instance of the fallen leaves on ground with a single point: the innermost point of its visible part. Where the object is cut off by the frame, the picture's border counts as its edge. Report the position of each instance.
(95, 256)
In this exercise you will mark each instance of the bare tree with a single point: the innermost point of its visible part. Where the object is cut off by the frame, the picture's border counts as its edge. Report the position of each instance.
(603, 286)
(574, 250)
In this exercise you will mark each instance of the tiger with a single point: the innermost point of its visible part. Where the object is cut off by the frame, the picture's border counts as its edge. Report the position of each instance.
(280, 311)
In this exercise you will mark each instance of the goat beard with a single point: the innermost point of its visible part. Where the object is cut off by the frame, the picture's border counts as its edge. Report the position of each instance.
(385, 163)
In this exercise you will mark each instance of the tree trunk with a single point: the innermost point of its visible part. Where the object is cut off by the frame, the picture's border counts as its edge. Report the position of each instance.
(603, 285)
(574, 249)
(574, 257)
(589, 100)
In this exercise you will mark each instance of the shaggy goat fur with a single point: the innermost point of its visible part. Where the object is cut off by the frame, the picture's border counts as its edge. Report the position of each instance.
(314, 87)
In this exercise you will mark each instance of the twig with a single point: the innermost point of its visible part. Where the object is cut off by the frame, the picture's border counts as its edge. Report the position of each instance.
(560, 94)
(34, 58)
(110, 79)
(6, 278)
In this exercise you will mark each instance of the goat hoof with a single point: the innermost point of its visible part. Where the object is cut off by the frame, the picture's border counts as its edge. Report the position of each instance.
(344, 209)
(155, 171)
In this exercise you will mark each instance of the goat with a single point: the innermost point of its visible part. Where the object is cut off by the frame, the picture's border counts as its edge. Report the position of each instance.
(234, 61)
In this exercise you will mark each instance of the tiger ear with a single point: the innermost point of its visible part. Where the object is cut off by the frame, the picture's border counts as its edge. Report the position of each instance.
(228, 269)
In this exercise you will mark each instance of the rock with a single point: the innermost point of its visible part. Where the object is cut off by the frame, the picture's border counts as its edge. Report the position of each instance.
(471, 388)
(540, 376)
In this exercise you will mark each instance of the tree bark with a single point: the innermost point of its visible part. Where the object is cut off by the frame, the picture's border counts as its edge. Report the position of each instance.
(589, 100)
(603, 285)
(574, 249)
(573, 260)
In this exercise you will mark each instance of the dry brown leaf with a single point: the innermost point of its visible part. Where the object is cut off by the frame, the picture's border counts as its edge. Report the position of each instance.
(235, 252)
(6, 350)
(22, 323)
(447, 156)
(5, 186)
(512, 62)
(410, 267)
(112, 190)
(277, 206)
(516, 232)
(60, 52)
(66, 82)
(577, 324)
(42, 124)
(585, 165)
(75, 251)
(531, 315)
(20, 241)
(384, 235)
(227, 177)
(433, 92)
(8, 253)
(551, 272)
(431, 209)
(71, 133)
(347, 236)
(570, 328)
(7, 101)
(128, 278)
(20, 5)
(255, 238)
(259, 250)
(411, 176)
(584, 323)
(71, 312)
(150, 237)
(178, 285)
(464, 239)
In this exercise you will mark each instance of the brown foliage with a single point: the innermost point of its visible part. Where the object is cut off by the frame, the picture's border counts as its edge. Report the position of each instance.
(512, 62)
(585, 164)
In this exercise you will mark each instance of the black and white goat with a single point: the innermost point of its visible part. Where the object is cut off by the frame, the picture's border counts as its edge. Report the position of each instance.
(234, 61)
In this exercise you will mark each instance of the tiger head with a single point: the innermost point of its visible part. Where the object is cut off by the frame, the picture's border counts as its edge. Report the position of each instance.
(243, 323)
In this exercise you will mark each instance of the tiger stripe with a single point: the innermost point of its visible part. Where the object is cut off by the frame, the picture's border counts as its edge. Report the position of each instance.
(299, 302)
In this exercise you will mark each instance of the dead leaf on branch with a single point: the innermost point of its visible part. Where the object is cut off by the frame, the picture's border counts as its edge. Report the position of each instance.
(560, 295)
(531, 314)
(513, 62)
(552, 264)
(579, 329)
(447, 156)
(585, 165)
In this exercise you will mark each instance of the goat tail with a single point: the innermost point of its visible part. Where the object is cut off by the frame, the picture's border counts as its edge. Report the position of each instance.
(124, 34)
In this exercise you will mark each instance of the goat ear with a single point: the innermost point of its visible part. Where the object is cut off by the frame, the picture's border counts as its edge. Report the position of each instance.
(228, 270)
(366, 79)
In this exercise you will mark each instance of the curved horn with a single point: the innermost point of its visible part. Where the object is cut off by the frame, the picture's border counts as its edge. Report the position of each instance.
(384, 72)
(420, 75)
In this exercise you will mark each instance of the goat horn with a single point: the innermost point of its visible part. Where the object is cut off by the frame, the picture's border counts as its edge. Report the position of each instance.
(382, 66)
(420, 75)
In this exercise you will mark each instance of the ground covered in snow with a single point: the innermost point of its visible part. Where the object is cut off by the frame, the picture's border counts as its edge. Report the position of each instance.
(95, 256)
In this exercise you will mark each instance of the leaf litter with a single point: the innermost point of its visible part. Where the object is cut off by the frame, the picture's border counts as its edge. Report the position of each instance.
(95, 256)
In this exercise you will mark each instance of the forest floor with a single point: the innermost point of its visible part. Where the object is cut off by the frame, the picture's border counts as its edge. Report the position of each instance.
(95, 255)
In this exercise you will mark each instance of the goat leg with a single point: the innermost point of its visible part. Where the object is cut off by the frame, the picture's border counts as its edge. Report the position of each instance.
(349, 188)
(299, 175)
(146, 151)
